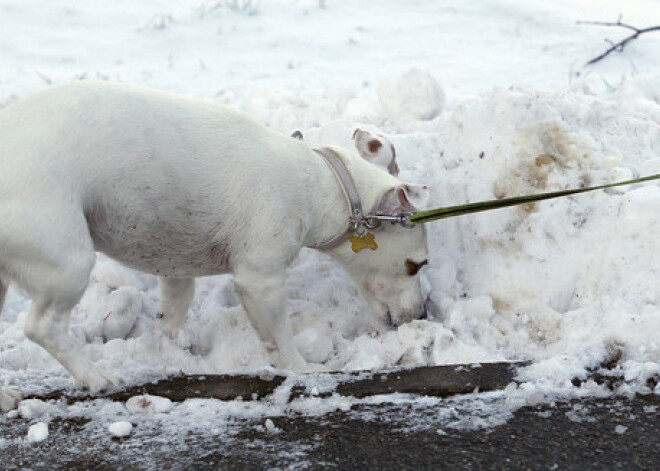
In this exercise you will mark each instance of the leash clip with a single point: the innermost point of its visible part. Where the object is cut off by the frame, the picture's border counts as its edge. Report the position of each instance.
(373, 221)
(359, 223)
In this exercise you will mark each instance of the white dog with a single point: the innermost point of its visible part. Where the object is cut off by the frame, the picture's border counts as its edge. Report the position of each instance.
(182, 188)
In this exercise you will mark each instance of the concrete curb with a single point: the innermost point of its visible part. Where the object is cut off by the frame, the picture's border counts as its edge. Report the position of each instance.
(445, 380)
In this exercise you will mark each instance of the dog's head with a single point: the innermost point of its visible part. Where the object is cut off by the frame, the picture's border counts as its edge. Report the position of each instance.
(389, 277)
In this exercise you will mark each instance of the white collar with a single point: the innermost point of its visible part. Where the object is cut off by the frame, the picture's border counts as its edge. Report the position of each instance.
(358, 222)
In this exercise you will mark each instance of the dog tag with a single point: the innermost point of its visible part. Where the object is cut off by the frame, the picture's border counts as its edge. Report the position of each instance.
(367, 241)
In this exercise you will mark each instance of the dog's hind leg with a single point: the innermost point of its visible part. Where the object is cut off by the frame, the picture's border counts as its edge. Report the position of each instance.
(176, 296)
(9, 396)
(48, 321)
(53, 265)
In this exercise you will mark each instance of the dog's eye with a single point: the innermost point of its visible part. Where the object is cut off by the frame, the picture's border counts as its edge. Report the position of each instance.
(413, 267)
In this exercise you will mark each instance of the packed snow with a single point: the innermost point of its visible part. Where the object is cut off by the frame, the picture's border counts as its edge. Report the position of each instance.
(148, 404)
(482, 100)
(37, 433)
(121, 429)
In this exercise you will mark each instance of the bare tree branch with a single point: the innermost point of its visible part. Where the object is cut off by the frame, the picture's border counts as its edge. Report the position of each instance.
(621, 44)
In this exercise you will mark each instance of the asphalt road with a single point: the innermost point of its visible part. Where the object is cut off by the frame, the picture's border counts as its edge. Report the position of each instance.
(599, 434)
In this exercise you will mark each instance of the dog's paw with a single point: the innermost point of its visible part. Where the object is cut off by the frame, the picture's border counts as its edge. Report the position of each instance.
(97, 380)
(292, 360)
(9, 398)
(167, 326)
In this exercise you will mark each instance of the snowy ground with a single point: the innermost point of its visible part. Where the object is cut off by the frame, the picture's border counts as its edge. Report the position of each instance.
(481, 99)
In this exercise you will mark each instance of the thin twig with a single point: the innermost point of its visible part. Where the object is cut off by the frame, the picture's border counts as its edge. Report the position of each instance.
(621, 44)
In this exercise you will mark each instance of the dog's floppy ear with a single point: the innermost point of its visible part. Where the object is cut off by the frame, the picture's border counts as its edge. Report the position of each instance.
(377, 150)
(405, 197)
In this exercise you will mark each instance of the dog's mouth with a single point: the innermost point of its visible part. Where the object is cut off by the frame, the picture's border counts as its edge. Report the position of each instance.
(390, 320)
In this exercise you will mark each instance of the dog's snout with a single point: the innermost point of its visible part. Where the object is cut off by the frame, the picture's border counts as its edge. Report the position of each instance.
(407, 315)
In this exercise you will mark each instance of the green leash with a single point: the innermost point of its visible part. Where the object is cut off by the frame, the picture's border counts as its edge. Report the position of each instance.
(428, 215)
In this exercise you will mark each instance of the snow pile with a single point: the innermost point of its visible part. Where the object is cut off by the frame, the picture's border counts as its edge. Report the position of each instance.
(570, 284)
(554, 279)
(417, 95)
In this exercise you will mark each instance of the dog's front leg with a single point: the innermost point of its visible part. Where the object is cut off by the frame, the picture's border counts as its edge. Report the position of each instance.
(176, 296)
(262, 295)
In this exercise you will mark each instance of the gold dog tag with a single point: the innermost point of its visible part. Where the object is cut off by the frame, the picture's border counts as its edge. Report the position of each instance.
(367, 241)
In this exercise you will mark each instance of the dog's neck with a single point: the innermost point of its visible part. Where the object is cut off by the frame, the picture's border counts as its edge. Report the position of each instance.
(349, 190)
(331, 210)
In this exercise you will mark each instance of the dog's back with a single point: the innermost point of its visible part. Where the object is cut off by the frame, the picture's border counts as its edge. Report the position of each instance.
(150, 173)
